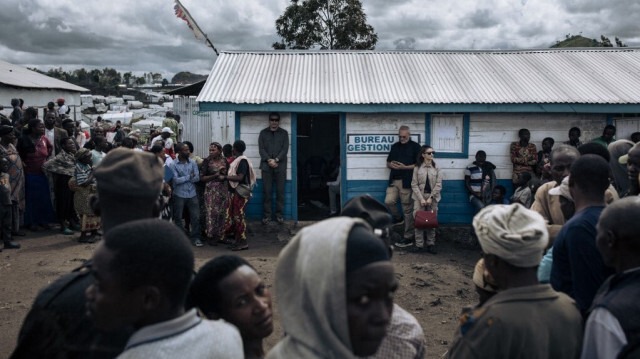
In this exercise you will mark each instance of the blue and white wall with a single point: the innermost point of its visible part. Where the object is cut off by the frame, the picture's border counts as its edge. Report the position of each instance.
(367, 173)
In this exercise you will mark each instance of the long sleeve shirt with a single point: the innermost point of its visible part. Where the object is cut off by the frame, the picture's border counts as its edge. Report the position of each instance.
(183, 182)
(273, 144)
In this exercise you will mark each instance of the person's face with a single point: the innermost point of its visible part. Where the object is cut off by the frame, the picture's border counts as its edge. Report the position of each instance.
(567, 207)
(633, 164)
(49, 122)
(10, 137)
(608, 134)
(159, 143)
(522, 180)
(184, 151)
(546, 146)
(560, 165)
(110, 305)
(603, 241)
(427, 154)
(481, 157)
(274, 122)
(4, 165)
(39, 130)
(69, 146)
(50, 106)
(69, 127)
(525, 136)
(98, 132)
(214, 151)
(574, 136)
(496, 194)
(165, 135)
(246, 303)
(404, 136)
(369, 305)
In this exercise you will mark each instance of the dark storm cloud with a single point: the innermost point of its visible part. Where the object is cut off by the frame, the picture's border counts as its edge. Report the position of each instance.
(479, 19)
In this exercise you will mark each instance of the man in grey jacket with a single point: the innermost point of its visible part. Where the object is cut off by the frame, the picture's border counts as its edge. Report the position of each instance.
(273, 144)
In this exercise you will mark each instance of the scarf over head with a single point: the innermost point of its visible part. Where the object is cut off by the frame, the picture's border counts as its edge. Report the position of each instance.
(83, 153)
(64, 163)
(512, 232)
(311, 292)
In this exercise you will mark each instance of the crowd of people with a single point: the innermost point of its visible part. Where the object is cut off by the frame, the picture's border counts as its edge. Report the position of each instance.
(572, 258)
(51, 166)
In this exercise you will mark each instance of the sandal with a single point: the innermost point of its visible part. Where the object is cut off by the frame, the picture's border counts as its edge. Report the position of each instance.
(235, 249)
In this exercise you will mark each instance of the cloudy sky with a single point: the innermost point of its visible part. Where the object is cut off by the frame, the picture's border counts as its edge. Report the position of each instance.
(143, 36)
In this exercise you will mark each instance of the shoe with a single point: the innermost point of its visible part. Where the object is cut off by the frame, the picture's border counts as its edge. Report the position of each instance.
(280, 220)
(198, 243)
(19, 234)
(414, 249)
(266, 221)
(240, 248)
(11, 245)
(67, 232)
(432, 249)
(89, 240)
(404, 242)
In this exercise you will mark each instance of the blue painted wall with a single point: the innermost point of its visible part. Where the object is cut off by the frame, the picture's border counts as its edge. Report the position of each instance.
(454, 208)
(254, 208)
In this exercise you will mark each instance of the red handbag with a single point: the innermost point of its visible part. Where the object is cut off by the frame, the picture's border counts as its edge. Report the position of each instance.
(426, 220)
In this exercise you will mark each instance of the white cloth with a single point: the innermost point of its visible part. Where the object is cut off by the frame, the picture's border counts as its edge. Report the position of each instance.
(62, 110)
(603, 336)
(513, 233)
(404, 339)
(187, 336)
(50, 135)
(168, 142)
(311, 292)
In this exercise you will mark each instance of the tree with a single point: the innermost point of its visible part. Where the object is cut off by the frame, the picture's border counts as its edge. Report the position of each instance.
(127, 77)
(581, 41)
(165, 82)
(327, 24)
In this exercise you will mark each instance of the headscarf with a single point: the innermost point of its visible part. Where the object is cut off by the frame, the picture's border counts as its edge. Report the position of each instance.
(63, 163)
(619, 149)
(83, 153)
(311, 291)
(512, 232)
(482, 278)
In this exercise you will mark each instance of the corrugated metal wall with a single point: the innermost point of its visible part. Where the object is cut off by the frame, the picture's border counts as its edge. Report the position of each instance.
(202, 128)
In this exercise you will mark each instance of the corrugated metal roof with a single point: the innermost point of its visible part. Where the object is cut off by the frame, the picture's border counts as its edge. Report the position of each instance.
(577, 76)
(16, 76)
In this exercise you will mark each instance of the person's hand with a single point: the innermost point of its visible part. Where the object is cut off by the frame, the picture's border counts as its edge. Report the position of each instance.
(193, 174)
(220, 177)
(429, 201)
(394, 165)
(478, 195)
(423, 203)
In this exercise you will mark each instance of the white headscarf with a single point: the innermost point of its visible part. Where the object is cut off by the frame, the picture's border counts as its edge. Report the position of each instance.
(513, 233)
(311, 292)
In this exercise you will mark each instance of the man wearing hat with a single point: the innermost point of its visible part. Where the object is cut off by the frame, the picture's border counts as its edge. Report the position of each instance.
(129, 184)
(62, 108)
(512, 240)
(165, 135)
(170, 122)
(632, 160)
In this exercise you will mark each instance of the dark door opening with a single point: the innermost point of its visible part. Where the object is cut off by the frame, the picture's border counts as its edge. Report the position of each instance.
(318, 163)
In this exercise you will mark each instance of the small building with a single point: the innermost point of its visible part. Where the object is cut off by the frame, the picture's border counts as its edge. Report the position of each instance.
(34, 88)
(458, 102)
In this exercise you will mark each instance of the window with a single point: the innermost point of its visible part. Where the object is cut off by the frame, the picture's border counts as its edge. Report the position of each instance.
(448, 134)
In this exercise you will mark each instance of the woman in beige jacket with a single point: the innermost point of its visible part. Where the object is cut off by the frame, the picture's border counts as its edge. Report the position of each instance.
(426, 186)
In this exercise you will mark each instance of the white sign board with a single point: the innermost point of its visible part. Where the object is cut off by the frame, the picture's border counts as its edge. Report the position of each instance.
(373, 143)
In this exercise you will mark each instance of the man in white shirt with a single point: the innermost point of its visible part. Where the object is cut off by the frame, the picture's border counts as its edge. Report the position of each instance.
(62, 108)
(613, 327)
(145, 286)
(165, 135)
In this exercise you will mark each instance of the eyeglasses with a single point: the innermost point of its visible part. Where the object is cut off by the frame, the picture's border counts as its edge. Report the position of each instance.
(430, 153)
(274, 119)
(403, 136)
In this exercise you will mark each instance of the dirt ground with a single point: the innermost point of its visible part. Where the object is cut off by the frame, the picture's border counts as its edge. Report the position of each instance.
(432, 287)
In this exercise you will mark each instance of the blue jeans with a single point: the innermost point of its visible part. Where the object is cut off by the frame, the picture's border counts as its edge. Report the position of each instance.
(476, 203)
(194, 213)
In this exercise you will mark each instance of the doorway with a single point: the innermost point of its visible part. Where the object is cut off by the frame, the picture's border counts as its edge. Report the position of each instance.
(318, 151)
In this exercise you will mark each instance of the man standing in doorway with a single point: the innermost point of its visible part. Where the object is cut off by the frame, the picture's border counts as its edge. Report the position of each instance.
(273, 144)
(401, 161)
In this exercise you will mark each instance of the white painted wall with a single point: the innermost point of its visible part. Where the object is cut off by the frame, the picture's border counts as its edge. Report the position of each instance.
(250, 126)
(491, 132)
(374, 166)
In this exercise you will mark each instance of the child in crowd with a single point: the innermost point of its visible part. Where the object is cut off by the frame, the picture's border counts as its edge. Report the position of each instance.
(497, 197)
(5, 206)
(522, 193)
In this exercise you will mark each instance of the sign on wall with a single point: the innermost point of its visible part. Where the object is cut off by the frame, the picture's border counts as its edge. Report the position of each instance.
(373, 143)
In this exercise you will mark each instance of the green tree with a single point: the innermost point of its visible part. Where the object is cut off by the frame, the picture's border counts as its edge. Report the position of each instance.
(165, 82)
(327, 24)
(126, 77)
